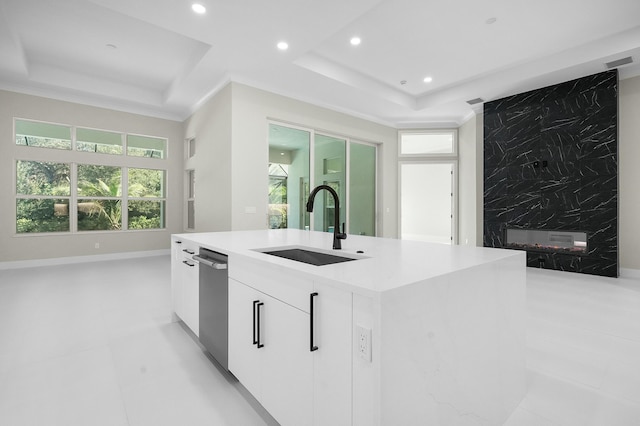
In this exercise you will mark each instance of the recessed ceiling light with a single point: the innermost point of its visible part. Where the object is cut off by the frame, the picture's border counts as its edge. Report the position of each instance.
(355, 41)
(491, 20)
(428, 79)
(283, 45)
(198, 8)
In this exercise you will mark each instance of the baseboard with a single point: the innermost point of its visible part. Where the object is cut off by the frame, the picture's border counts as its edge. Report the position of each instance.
(629, 273)
(81, 259)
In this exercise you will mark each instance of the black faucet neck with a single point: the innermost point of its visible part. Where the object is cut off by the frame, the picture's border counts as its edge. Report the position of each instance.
(337, 235)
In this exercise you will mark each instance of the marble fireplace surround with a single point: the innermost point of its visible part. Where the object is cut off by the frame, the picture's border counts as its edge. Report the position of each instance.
(551, 163)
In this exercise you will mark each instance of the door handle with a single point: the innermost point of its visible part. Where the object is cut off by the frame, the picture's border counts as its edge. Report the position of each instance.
(312, 347)
(210, 263)
(260, 345)
(255, 340)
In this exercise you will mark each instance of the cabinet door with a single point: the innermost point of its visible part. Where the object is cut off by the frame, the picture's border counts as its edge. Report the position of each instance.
(244, 356)
(190, 295)
(176, 274)
(288, 362)
(332, 361)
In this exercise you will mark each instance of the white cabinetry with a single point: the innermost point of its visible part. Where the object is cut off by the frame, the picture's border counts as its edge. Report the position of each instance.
(332, 382)
(270, 343)
(185, 283)
(269, 353)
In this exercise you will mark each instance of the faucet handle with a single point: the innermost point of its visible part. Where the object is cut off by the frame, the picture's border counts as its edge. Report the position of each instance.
(342, 235)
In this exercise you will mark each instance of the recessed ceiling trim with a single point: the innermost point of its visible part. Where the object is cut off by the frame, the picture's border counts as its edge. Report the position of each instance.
(337, 72)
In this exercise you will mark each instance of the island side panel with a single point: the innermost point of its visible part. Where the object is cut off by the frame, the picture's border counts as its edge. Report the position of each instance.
(365, 372)
(453, 347)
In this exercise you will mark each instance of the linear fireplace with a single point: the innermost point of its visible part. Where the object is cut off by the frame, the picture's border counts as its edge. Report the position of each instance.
(571, 242)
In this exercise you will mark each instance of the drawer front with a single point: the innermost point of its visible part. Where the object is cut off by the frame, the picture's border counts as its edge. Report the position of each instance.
(187, 250)
(278, 282)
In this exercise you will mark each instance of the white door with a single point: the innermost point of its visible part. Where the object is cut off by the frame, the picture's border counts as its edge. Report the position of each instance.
(244, 356)
(190, 295)
(427, 201)
(332, 391)
(288, 363)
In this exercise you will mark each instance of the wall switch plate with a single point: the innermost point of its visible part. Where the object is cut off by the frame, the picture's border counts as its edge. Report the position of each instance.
(363, 336)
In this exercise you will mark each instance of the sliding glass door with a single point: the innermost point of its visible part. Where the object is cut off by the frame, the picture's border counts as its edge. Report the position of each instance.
(329, 166)
(346, 166)
(362, 189)
(288, 177)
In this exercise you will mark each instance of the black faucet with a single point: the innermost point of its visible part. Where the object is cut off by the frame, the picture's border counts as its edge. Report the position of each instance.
(337, 235)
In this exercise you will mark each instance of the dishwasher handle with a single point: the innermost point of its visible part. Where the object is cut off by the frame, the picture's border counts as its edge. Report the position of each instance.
(209, 262)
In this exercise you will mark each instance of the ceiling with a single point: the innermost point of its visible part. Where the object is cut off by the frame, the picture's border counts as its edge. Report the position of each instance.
(159, 58)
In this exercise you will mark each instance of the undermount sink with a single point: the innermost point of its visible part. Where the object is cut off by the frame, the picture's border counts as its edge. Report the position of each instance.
(307, 256)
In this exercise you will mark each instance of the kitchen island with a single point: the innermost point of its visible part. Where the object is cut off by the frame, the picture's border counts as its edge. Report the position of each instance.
(408, 333)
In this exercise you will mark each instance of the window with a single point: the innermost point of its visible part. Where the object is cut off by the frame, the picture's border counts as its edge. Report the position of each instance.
(145, 146)
(428, 143)
(191, 199)
(43, 196)
(428, 185)
(89, 140)
(44, 135)
(99, 206)
(191, 147)
(146, 200)
(73, 196)
(190, 184)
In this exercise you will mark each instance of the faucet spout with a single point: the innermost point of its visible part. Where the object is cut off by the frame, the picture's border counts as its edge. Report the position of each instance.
(337, 235)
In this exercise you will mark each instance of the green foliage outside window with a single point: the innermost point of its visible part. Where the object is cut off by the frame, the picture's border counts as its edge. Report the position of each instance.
(42, 215)
(49, 181)
(99, 203)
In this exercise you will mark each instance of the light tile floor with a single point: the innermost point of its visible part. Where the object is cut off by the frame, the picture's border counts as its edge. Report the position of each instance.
(97, 344)
(583, 351)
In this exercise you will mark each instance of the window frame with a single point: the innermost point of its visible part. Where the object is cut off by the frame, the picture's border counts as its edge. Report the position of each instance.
(439, 155)
(75, 158)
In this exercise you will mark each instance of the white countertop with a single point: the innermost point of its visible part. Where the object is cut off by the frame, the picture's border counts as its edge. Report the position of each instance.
(390, 263)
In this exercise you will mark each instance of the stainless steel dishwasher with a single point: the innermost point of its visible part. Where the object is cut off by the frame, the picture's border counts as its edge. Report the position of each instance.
(214, 310)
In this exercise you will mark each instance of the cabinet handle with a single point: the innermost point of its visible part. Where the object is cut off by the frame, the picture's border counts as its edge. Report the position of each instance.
(312, 347)
(260, 345)
(188, 264)
(188, 251)
(255, 341)
(178, 242)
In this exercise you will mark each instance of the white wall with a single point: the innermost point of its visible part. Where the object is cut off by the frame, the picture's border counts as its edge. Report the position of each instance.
(26, 247)
(211, 126)
(629, 173)
(251, 108)
(468, 176)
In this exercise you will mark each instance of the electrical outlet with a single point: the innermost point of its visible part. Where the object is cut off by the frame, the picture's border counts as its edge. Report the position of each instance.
(364, 342)
(97, 245)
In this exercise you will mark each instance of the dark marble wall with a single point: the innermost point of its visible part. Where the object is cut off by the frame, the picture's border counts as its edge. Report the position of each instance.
(551, 162)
